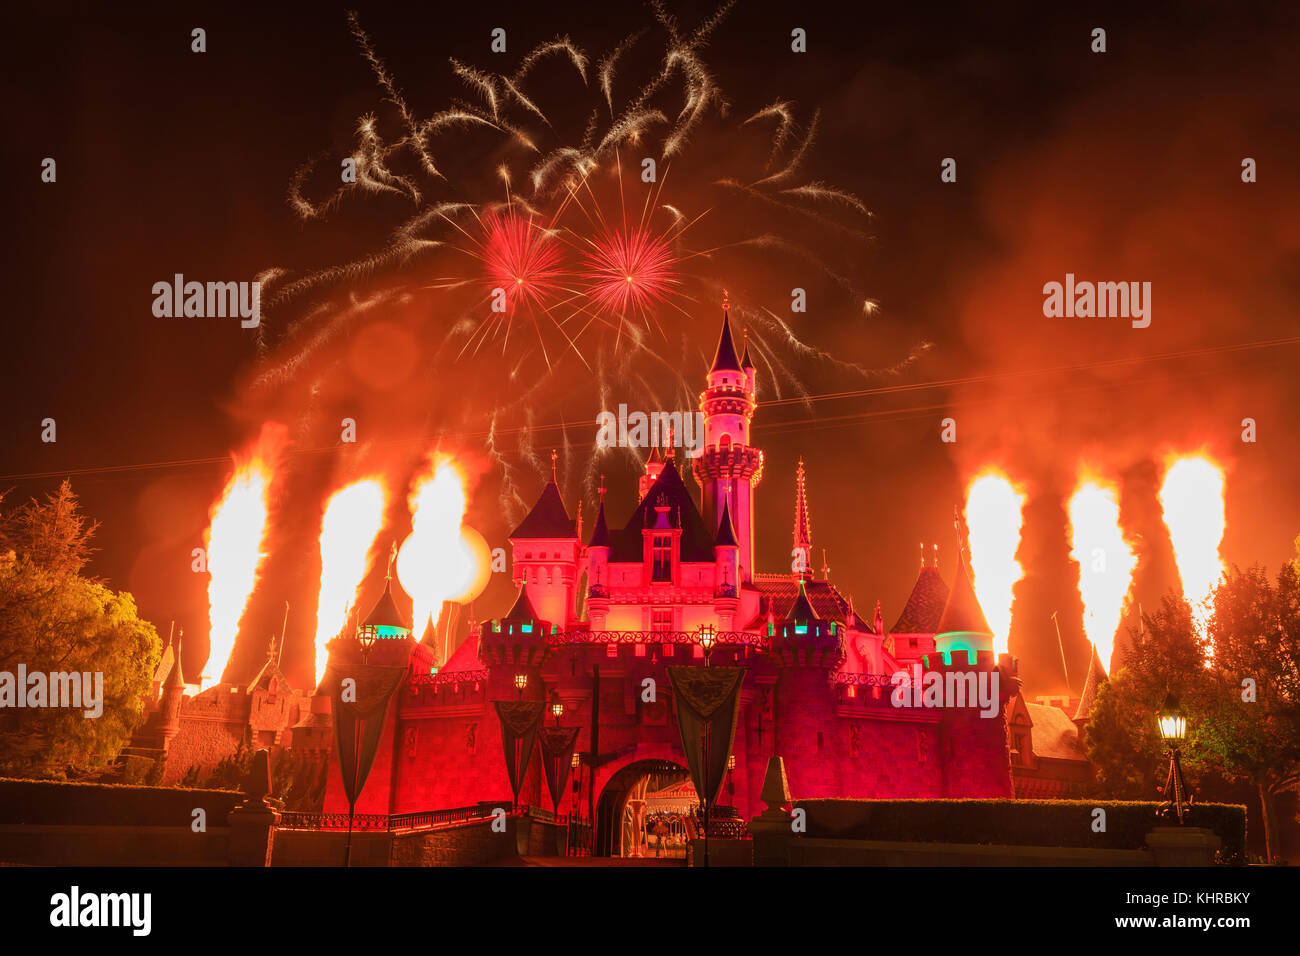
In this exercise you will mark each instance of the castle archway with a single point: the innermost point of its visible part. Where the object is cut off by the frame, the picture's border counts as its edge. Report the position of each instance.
(646, 810)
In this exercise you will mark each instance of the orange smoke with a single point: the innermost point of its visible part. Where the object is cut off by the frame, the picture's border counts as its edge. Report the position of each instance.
(233, 541)
(993, 519)
(352, 521)
(1106, 561)
(1192, 499)
(439, 561)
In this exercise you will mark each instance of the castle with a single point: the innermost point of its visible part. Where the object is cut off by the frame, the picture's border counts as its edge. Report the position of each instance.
(596, 623)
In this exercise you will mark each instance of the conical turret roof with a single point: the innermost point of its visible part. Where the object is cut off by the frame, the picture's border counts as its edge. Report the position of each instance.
(175, 678)
(802, 609)
(385, 613)
(1096, 677)
(924, 607)
(724, 360)
(523, 609)
(962, 612)
(600, 533)
(548, 519)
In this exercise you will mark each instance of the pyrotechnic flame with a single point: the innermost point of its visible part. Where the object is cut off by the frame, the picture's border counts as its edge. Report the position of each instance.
(993, 518)
(1192, 499)
(439, 561)
(234, 540)
(352, 521)
(1106, 562)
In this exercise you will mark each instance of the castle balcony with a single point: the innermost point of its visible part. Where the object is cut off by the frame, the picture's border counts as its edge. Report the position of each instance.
(451, 690)
(869, 695)
(669, 647)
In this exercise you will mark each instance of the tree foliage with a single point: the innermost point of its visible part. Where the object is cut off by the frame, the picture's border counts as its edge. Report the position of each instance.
(54, 620)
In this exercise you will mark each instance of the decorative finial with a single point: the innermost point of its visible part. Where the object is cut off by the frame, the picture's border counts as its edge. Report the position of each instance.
(392, 559)
(922, 554)
(935, 562)
(669, 452)
(553, 458)
(726, 301)
(602, 489)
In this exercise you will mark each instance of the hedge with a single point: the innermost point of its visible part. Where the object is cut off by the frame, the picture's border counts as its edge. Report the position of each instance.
(57, 802)
(1016, 822)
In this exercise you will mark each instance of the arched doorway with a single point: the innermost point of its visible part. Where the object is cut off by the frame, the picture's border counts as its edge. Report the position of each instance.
(646, 809)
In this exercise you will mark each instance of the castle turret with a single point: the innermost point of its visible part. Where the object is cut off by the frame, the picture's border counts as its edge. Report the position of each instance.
(173, 696)
(598, 549)
(728, 459)
(545, 549)
(726, 560)
(964, 678)
(807, 650)
(1096, 677)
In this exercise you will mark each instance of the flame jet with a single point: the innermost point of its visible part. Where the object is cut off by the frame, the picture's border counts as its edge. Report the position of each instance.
(435, 563)
(1106, 561)
(353, 518)
(236, 531)
(1192, 499)
(994, 517)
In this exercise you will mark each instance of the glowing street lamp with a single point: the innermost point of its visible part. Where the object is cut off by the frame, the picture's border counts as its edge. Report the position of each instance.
(707, 637)
(557, 710)
(1172, 724)
(521, 681)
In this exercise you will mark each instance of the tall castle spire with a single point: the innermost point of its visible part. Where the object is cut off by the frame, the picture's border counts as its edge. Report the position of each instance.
(802, 526)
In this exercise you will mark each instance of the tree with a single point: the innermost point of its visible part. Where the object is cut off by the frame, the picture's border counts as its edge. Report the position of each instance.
(1254, 729)
(1166, 655)
(59, 622)
(54, 535)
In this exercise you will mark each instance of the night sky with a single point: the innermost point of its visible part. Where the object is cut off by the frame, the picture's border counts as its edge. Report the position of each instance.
(1122, 166)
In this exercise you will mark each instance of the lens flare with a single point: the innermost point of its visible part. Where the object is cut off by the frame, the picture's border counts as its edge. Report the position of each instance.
(1192, 499)
(233, 541)
(354, 516)
(993, 518)
(437, 562)
(1106, 561)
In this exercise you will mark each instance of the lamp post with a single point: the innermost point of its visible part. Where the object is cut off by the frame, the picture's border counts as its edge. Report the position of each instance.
(1172, 724)
(731, 765)
(557, 710)
(521, 681)
(707, 637)
(575, 767)
(367, 637)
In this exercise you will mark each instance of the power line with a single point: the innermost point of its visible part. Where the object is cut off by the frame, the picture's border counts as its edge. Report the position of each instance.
(777, 427)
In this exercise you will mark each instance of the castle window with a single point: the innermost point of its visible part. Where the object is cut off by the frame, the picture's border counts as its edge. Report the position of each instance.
(639, 650)
(662, 553)
(611, 650)
(661, 620)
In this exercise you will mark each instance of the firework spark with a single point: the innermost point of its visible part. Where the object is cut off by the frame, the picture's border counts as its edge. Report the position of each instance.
(234, 539)
(350, 525)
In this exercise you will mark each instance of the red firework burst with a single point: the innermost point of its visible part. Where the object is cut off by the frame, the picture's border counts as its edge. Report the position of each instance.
(629, 271)
(522, 258)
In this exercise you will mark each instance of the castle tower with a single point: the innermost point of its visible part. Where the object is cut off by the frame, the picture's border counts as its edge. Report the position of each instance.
(545, 549)
(726, 551)
(173, 696)
(975, 688)
(728, 458)
(1096, 677)
(807, 649)
(598, 567)
(653, 466)
(802, 552)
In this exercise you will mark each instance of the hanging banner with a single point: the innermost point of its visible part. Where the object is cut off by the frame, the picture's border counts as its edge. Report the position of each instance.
(520, 720)
(708, 705)
(359, 694)
(557, 759)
